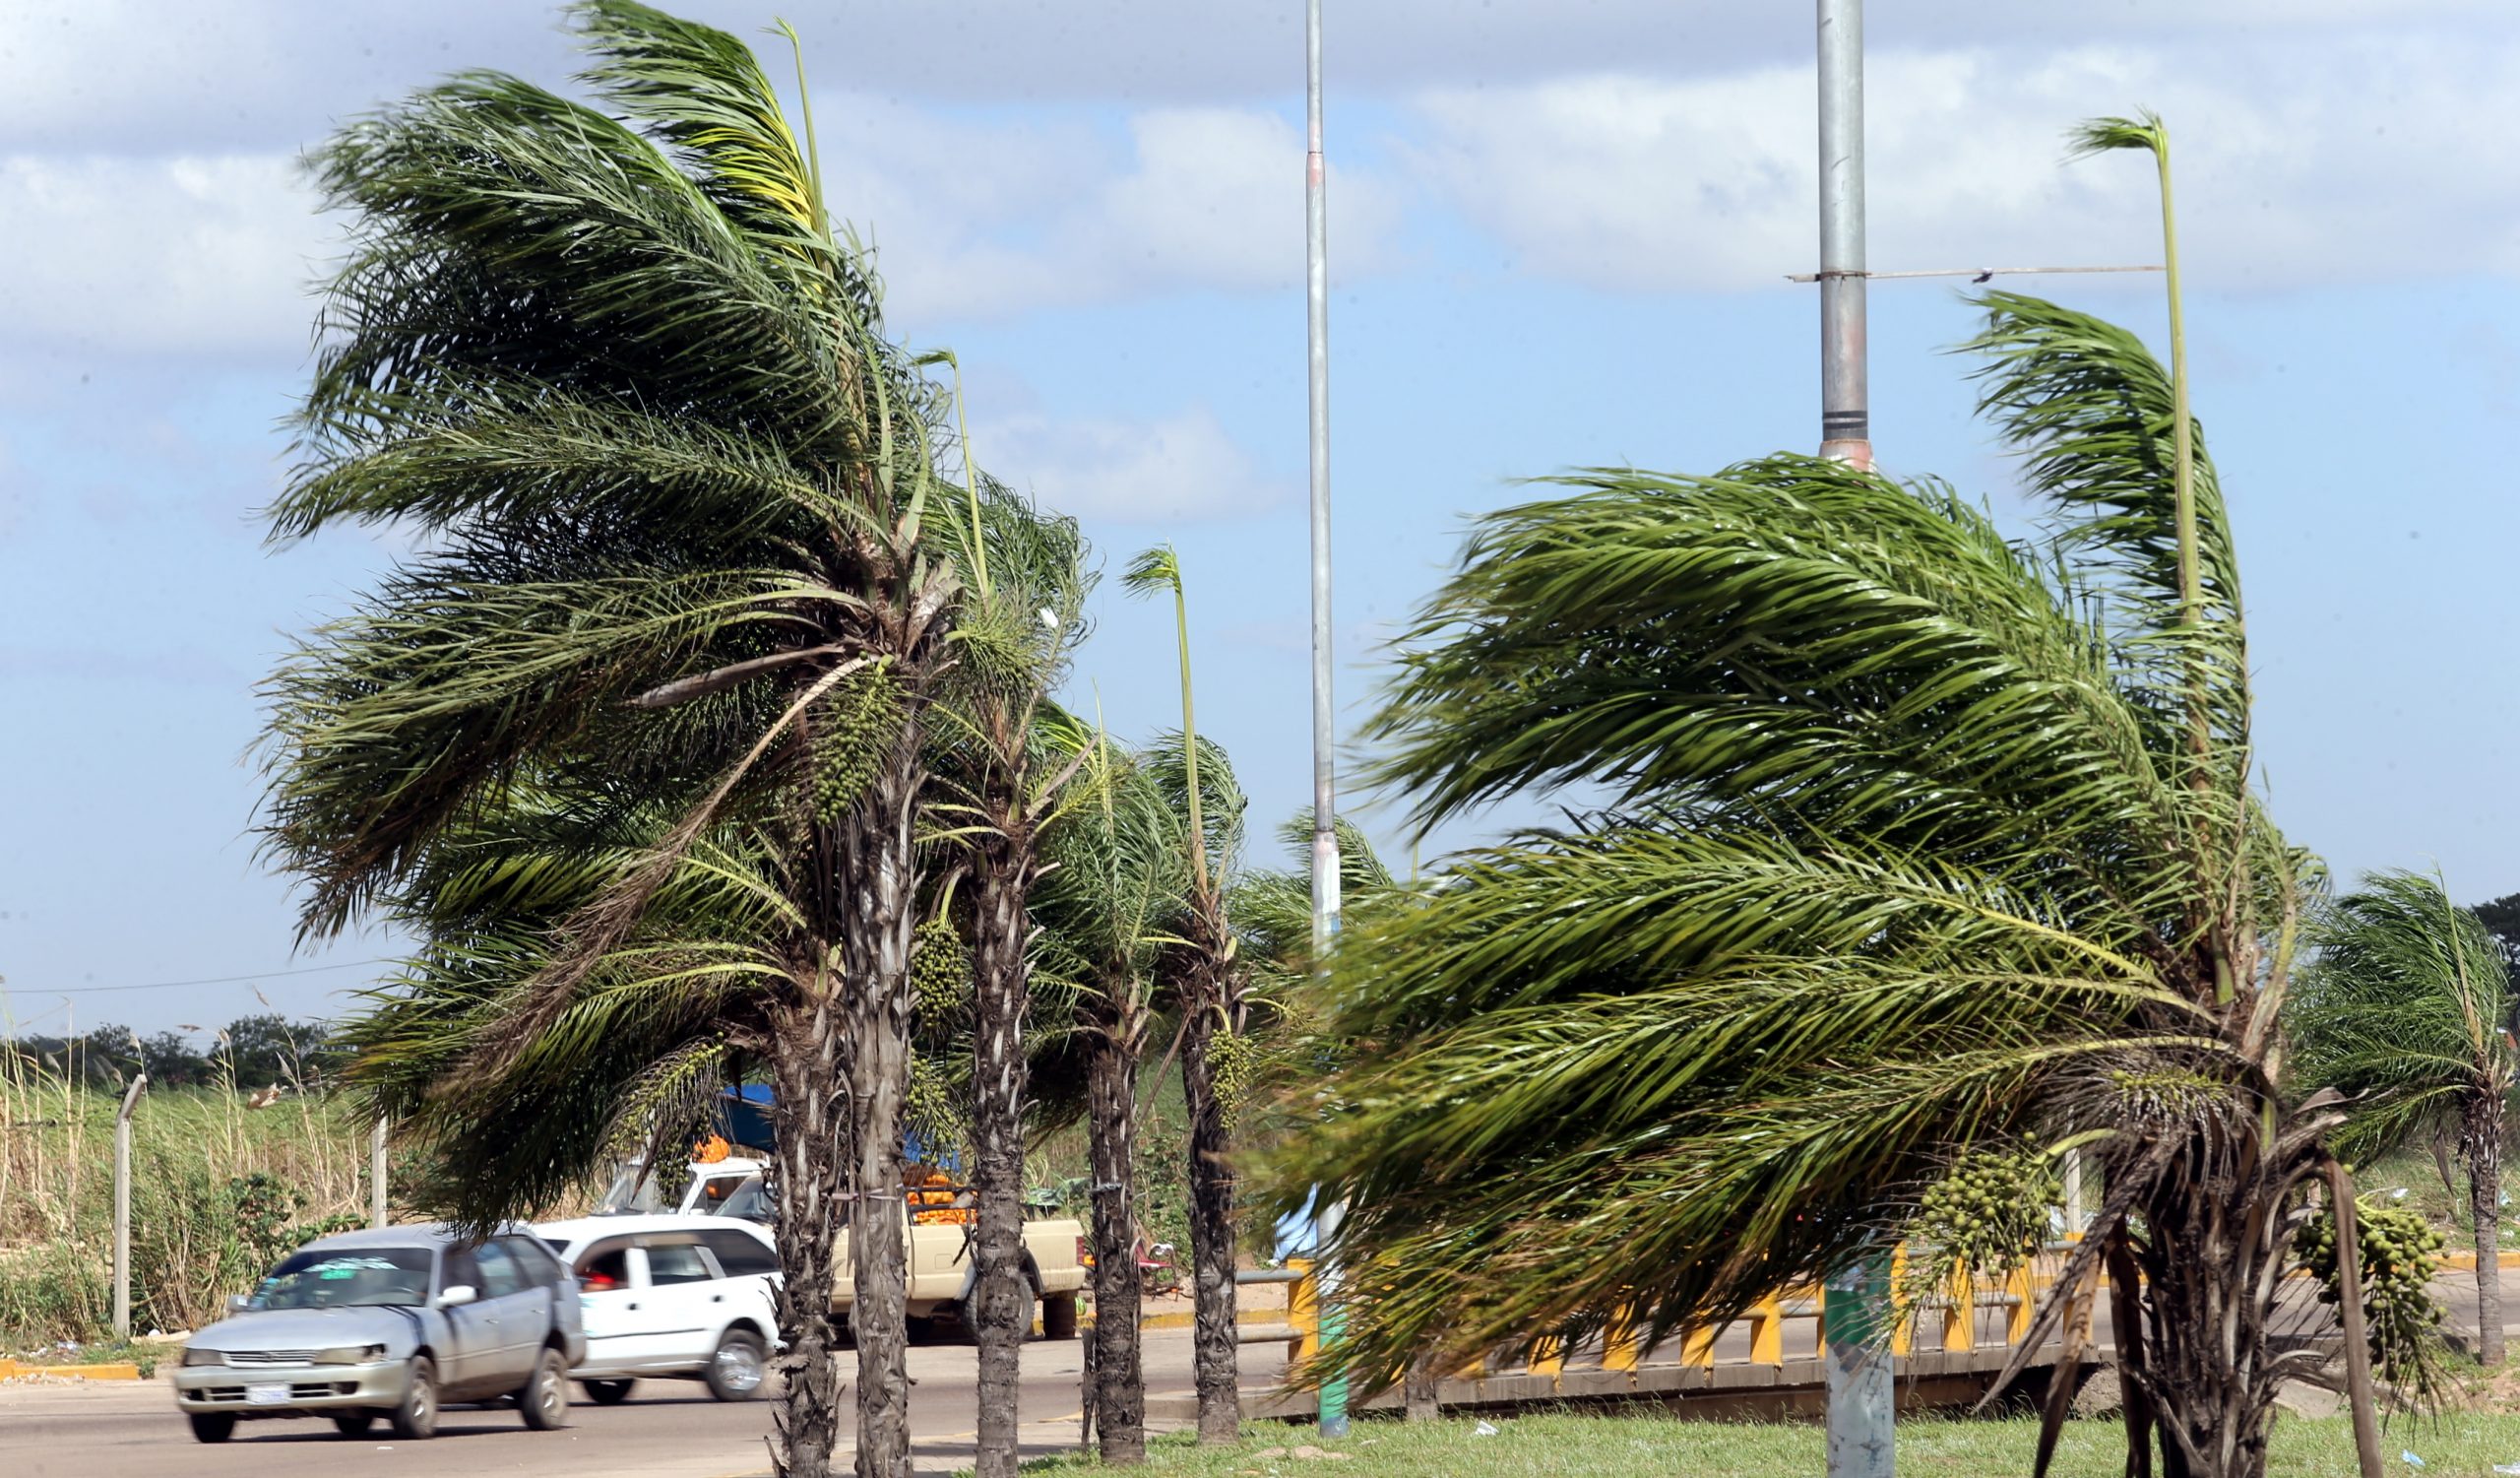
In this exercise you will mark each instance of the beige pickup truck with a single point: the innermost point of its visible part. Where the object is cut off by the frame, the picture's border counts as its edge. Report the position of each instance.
(941, 1274)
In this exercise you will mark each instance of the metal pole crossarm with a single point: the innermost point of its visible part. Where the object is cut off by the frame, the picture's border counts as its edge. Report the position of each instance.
(1974, 274)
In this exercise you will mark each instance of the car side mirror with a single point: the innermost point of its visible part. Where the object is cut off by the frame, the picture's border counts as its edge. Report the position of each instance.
(459, 1293)
(238, 1302)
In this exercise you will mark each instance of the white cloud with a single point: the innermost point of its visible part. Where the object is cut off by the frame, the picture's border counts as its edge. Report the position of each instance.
(214, 254)
(177, 255)
(985, 219)
(118, 74)
(1116, 470)
(2293, 166)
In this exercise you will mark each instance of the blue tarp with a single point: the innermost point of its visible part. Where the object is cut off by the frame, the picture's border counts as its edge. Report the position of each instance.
(744, 1117)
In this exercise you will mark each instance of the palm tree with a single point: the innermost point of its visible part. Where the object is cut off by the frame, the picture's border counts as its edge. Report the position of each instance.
(631, 386)
(1207, 990)
(1012, 758)
(1118, 872)
(1910, 840)
(2403, 1012)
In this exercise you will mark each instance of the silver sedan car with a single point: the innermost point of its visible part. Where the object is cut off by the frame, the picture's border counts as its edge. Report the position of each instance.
(392, 1324)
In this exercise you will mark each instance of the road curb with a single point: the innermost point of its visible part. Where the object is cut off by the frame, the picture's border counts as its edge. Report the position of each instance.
(117, 1370)
(1190, 1321)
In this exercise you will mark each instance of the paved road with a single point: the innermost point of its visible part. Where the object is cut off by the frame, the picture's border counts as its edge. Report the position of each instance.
(667, 1430)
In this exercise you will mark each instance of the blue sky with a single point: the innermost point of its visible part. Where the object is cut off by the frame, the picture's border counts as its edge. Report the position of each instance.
(1560, 235)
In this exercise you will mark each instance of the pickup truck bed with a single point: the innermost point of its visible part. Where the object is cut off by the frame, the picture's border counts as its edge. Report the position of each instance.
(941, 1273)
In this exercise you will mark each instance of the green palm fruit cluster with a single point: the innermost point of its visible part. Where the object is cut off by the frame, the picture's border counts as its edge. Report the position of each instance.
(940, 972)
(1233, 1063)
(2395, 1246)
(1990, 1214)
(932, 1111)
(852, 725)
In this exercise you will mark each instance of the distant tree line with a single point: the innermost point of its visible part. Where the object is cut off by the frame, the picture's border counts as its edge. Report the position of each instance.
(2501, 919)
(250, 1052)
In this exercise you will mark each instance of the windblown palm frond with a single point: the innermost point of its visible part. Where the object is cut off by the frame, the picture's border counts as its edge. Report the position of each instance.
(2406, 1010)
(614, 360)
(647, 1038)
(1909, 845)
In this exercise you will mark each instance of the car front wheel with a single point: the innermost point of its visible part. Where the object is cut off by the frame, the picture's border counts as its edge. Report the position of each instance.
(608, 1393)
(417, 1417)
(544, 1400)
(353, 1422)
(213, 1426)
(735, 1369)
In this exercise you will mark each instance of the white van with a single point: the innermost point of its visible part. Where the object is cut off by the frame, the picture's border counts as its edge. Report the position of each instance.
(672, 1297)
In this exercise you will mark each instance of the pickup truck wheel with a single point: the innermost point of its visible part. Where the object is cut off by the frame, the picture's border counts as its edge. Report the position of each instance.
(608, 1393)
(353, 1422)
(213, 1426)
(1058, 1315)
(735, 1369)
(545, 1398)
(417, 1417)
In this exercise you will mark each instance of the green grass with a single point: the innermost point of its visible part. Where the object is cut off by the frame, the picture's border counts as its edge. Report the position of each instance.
(2414, 1172)
(1636, 1446)
(143, 1353)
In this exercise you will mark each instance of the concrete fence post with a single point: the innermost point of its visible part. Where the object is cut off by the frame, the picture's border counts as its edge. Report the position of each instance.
(376, 1175)
(122, 1206)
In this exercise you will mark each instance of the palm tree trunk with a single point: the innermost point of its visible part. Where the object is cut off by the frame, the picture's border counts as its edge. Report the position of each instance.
(1002, 1302)
(876, 910)
(1119, 1397)
(805, 1048)
(1214, 1350)
(2192, 1296)
(2484, 1207)
(2360, 1397)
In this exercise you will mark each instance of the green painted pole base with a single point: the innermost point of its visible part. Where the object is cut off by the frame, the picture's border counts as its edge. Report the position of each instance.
(1862, 1406)
(1334, 1391)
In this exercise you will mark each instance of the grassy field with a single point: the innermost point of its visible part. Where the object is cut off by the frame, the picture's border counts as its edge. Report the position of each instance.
(218, 1189)
(1637, 1447)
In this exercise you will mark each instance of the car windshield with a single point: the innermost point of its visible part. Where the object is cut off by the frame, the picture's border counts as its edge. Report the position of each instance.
(750, 1202)
(345, 1277)
(634, 1190)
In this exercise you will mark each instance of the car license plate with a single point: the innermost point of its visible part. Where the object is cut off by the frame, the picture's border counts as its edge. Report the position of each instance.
(275, 1394)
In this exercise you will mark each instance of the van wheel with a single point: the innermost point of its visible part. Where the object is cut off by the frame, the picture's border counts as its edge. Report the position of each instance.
(213, 1426)
(735, 1369)
(608, 1393)
(353, 1422)
(417, 1417)
(545, 1398)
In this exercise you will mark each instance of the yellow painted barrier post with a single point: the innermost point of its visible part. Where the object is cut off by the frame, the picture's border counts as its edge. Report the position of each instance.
(1960, 1310)
(1698, 1348)
(2024, 1291)
(1902, 1333)
(1767, 1330)
(1817, 1298)
(1303, 1309)
(1619, 1350)
(1549, 1357)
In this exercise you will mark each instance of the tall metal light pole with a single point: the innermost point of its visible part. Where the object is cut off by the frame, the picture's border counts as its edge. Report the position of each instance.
(1845, 426)
(1862, 1402)
(1325, 791)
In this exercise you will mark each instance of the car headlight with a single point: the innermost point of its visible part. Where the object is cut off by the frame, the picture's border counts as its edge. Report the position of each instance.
(204, 1357)
(351, 1354)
